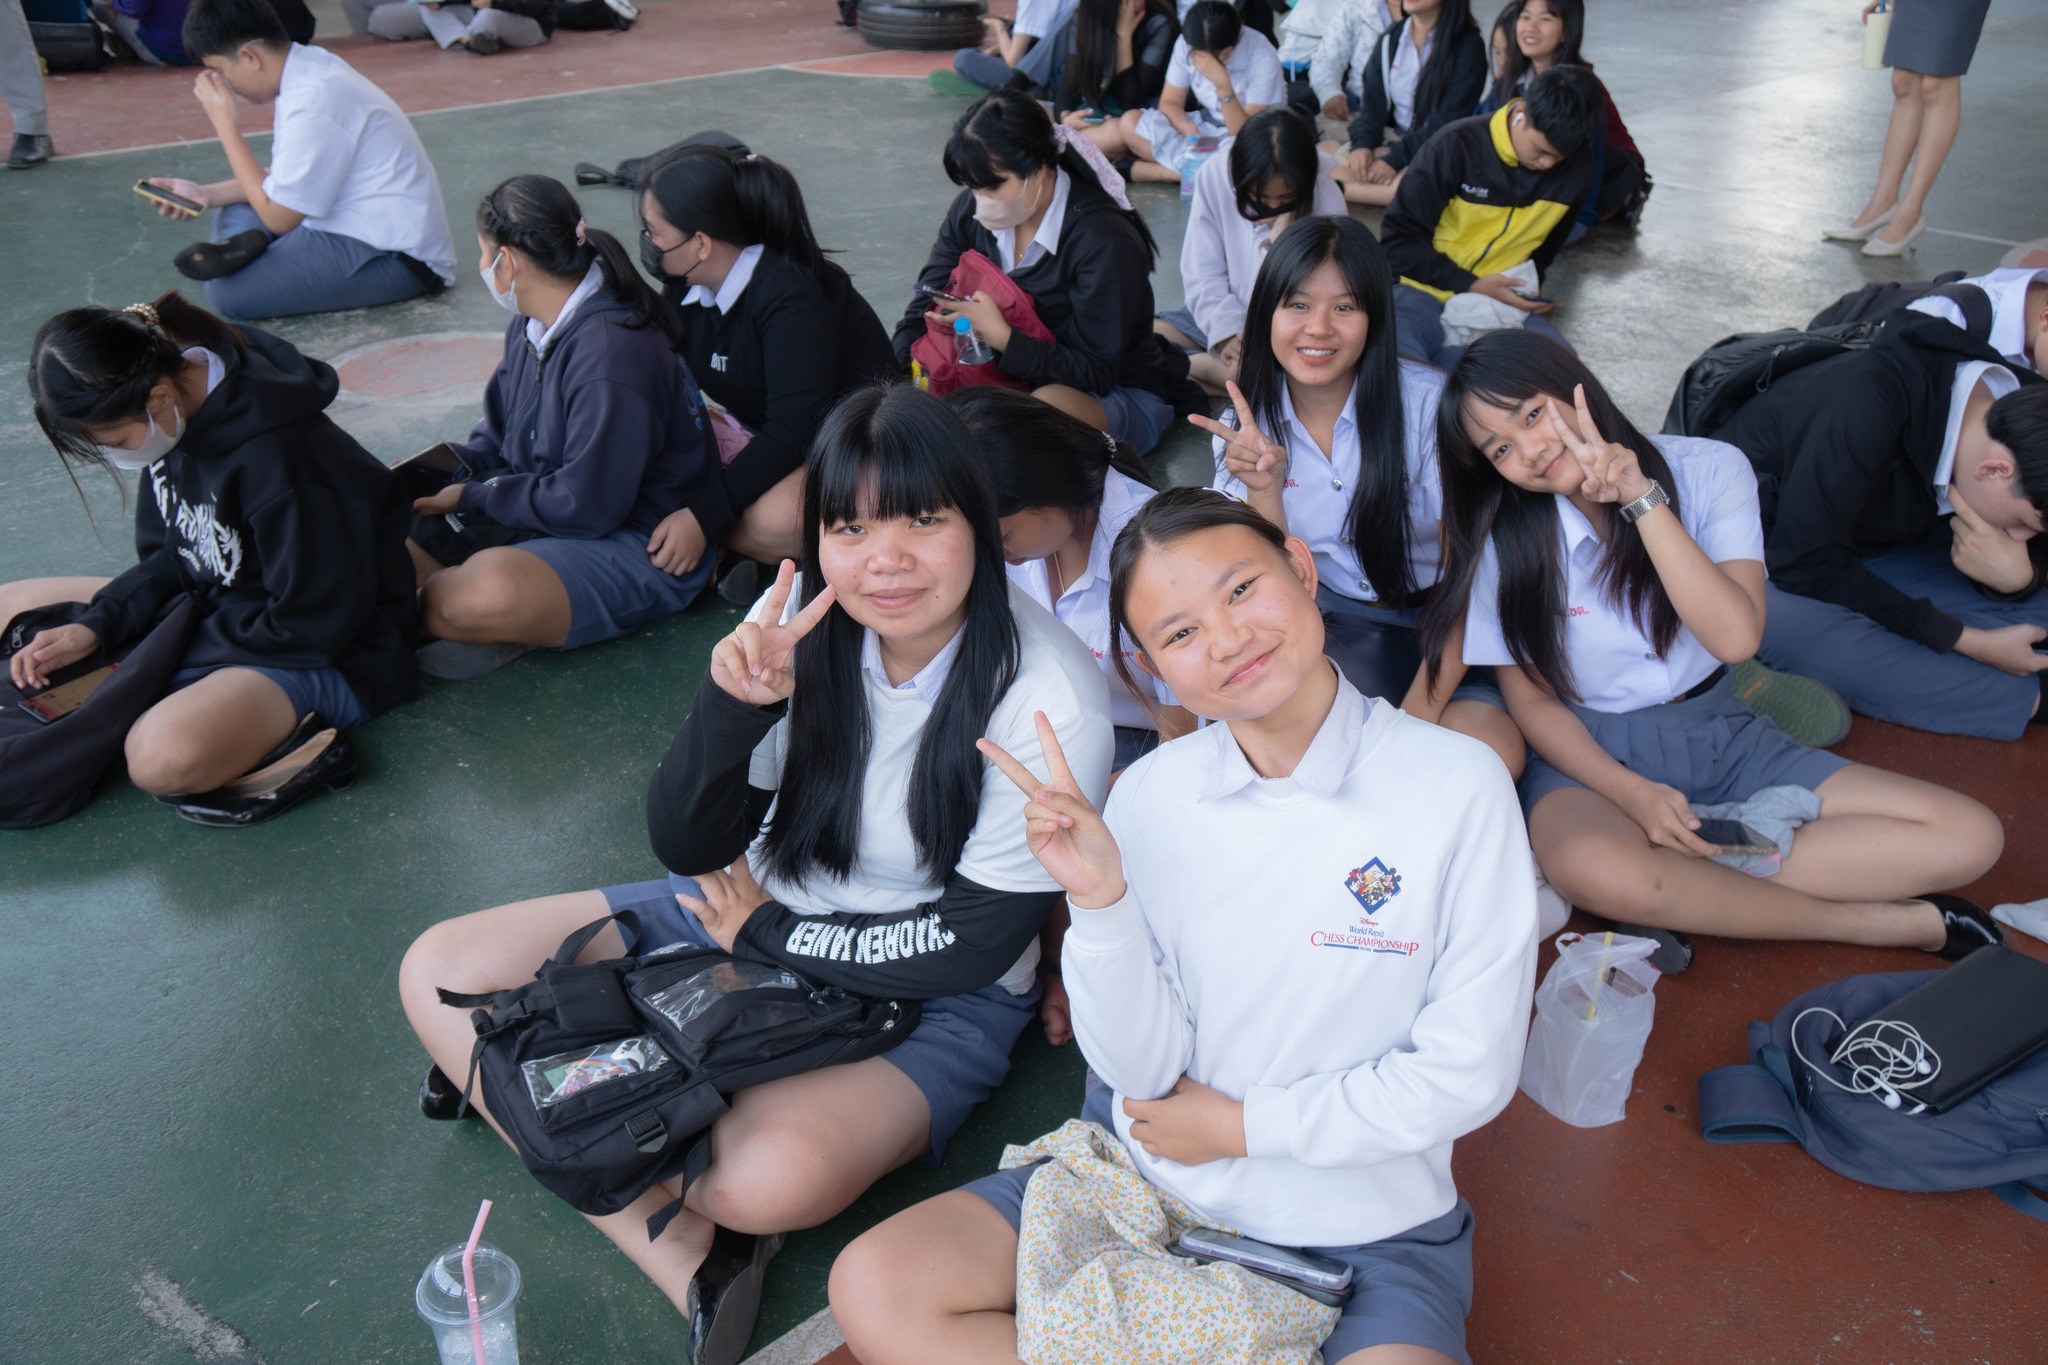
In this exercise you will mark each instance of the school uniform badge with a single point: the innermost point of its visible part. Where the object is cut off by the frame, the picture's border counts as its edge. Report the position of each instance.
(1373, 884)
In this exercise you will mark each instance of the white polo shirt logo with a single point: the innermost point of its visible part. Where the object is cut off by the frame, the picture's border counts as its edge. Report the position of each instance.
(1373, 885)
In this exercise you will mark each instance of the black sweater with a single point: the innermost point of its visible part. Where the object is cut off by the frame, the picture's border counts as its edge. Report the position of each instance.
(702, 814)
(1094, 294)
(288, 534)
(1456, 97)
(1137, 86)
(778, 361)
(1845, 451)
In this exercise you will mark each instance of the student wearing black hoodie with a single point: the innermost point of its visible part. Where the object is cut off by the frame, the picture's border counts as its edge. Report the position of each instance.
(593, 431)
(288, 535)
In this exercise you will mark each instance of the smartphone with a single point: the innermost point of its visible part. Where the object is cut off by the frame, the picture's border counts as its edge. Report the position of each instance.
(161, 195)
(1319, 1277)
(1092, 117)
(1532, 298)
(1732, 836)
(53, 703)
(430, 471)
(930, 292)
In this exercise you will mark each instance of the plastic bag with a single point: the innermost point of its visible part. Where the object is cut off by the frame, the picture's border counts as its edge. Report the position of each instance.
(551, 1080)
(1593, 1015)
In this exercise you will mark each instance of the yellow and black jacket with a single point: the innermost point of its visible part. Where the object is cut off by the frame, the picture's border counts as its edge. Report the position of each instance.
(1467, 207)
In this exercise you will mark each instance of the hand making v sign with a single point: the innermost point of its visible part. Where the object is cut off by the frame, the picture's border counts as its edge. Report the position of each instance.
(753, 663)
(1250, 457)
(1062, 827)
(1612, 473)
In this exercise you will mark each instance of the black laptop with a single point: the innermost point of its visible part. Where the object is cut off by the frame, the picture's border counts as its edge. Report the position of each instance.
(1982, 1017)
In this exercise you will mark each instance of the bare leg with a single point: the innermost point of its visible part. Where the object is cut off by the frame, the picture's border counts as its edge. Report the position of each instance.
(1109, 137)
(1212, 374)
(498, 596)
(771, 529)
(31, 593)
(1391, 1354)
(209, 733)
(1074, 403)
(1941, 100)
(1143, 167)
(1881, 835)
(1601, 861)
(1901, 135)
(1492, 727)
(935, 1285)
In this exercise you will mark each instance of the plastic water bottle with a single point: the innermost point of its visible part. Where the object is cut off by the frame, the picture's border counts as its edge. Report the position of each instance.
(968, 347)
(1200, 149)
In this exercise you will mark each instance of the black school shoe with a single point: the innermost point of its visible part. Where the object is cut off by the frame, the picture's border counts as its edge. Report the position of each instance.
(210, 260)
(30, 149)
(725, 1295)
(1969, 927)
(441, 1098)
(1674, 950)
(317, 757)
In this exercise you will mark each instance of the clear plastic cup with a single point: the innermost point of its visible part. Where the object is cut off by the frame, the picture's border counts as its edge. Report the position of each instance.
(445, 1307)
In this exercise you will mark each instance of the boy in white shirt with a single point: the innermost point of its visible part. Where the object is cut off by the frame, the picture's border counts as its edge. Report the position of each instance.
(2019, 312)
(349, 212)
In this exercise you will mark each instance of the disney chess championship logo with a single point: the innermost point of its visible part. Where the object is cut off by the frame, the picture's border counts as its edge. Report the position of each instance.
(1372, 885)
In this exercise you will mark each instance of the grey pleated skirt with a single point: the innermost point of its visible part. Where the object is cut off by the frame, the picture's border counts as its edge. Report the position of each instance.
(1934, 37)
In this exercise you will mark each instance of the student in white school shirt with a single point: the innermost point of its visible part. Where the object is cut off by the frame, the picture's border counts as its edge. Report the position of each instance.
(2019, 312)
(1231, 71)
(1297, 1063)
(1350, 464)
(349, 212)
(1273, 174)
(1610, 577)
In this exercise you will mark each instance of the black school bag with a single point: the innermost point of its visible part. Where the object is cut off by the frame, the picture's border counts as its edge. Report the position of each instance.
(1736, 369)
(49, 770)
(607, 1076)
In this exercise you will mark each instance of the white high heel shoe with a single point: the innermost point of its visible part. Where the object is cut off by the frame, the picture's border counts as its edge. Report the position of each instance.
(1878, 246)
(1849, 232)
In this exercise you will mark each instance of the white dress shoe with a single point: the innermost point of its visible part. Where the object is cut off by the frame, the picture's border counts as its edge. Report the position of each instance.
(1878, 246)
(1850, 232)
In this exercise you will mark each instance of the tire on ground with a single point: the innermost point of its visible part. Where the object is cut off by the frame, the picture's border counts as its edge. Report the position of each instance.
(928, 27)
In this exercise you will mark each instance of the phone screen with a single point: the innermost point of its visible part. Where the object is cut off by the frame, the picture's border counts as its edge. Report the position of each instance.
(430, 471)
(157, 192)
(54, 702)
(1732, 836)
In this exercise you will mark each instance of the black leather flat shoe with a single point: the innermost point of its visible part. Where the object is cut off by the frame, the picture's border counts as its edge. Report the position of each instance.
(1674, 950)
(316, 758)
(211, 260)
(441, 1098)
(725, 1295)
(1969, 926)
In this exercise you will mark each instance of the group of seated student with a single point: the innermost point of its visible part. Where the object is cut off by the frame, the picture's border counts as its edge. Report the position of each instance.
(1336, 72)
(479, 26)
(1424, 71)
(1231, 71)
(1121, 49)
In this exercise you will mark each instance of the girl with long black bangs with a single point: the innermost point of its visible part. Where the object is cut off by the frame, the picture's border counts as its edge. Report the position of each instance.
(1297, 1065)
(1040, 202)
(286, 533)
(1609, 578)
(593, 431)
(1117, 64)
(773, 331)
(827, 774)
(1425, 71)
(1332, 437)
(1273, 174)
(1546, 33)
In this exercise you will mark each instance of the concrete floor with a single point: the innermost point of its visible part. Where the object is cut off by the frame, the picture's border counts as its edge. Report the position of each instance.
(224, 1106)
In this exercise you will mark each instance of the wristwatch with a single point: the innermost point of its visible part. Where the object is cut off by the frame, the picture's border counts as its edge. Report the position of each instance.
(1652, 498)
(1226, 99)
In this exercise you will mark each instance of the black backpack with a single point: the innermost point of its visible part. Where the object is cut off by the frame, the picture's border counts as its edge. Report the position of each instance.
(607, 1076)
(51, 769)
(1736, 369)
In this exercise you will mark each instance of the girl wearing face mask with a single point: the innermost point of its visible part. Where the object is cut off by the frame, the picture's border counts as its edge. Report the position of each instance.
(773, 330)
(1273, 175)
(1038, 200)
(1541, 34)
(1296, 1064)
(288, 536)
(593, 431)
(1610, 578)
(827, 775)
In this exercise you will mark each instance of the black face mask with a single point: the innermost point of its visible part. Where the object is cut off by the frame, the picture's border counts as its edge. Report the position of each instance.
(652, 256)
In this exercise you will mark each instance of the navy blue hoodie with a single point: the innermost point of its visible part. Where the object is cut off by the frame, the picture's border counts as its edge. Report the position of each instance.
(289, 534)
(607, 432)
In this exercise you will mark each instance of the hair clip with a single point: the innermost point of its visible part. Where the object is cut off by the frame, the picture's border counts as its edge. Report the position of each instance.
(1111, 442)
(580, 240)
(145, 311)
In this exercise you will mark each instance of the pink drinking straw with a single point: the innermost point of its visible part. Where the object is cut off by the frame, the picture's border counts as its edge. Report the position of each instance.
(476, 1327)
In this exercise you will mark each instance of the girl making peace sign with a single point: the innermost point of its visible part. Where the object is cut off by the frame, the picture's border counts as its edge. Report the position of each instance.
(1610, 578)
(1295, 1064)
(855, 798)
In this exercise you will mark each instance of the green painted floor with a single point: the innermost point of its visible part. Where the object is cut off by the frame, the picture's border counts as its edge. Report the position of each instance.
(213, 1081)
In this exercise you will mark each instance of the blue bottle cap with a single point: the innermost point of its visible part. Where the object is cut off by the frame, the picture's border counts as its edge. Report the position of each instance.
(962, 326)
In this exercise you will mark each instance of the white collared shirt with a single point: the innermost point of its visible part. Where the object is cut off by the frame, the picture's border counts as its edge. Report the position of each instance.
(1404, 72)
(1317, 496)
(1084, 607)
(731, 287)
(1042, 18)
(345, 156)
(1612, 660)
(2007, 290)
(1221, 254)
(540, 337)
(2000, 381)
(1046, 240)
(928, 682)
(1256, 78)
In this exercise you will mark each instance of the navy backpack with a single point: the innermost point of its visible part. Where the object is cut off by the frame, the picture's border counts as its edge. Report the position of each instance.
(1997, 1139)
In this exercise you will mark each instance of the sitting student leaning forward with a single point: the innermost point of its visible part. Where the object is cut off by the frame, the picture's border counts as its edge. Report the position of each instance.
(347, 215)
(1406, 954)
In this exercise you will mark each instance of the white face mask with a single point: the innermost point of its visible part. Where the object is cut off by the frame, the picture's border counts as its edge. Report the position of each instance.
(154, 447)
(507, 300)
(996, 214)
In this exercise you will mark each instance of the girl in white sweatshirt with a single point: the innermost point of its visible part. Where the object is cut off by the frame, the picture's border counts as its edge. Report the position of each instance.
(1296, 1063)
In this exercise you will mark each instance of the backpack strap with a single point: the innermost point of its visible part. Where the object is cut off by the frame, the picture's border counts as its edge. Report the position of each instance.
(2016, 1193)
(1746, 1104)
(695, 1162)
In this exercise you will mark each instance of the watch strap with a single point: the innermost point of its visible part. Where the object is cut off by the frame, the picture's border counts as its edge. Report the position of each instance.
(1648, 501)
